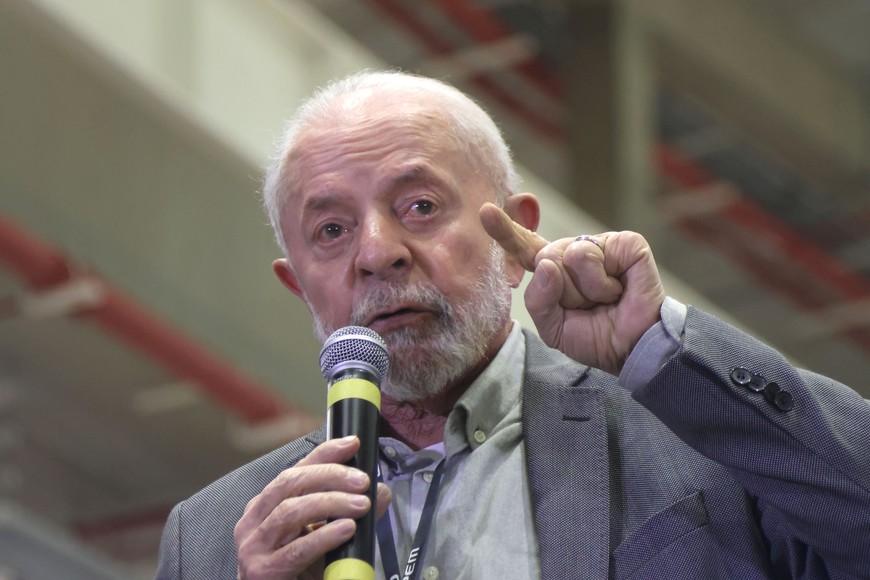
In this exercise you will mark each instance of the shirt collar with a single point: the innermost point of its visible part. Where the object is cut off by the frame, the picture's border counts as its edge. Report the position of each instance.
(492, 400)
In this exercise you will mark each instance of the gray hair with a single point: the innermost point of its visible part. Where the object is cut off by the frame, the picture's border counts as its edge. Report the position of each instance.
(470, 127)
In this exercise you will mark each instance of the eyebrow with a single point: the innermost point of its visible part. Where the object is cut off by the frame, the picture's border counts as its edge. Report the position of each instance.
(319, 202)
(415, 174)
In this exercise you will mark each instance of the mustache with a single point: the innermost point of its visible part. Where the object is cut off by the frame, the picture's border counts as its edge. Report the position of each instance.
(392, 294)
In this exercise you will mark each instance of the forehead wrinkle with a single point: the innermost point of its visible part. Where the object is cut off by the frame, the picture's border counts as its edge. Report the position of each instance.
(353, 139)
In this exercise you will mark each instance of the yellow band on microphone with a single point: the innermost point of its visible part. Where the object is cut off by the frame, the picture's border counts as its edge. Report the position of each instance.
(354, 389)
(349, 568)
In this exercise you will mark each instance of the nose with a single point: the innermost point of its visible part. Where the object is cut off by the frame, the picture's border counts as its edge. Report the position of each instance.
(382, 249)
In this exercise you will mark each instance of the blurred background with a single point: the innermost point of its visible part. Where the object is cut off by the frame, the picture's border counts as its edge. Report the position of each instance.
(146, 347)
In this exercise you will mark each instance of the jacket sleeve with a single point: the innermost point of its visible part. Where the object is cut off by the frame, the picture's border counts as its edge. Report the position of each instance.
(798, 442)
(168, 563)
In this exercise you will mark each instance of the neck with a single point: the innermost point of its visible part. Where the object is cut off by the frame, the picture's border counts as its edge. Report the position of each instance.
(411, 424)
(418, 424)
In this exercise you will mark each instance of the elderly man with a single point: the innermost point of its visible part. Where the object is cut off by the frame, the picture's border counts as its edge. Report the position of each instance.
(710, 456)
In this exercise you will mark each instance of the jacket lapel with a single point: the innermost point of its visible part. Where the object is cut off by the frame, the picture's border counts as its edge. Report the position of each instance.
(565, 432)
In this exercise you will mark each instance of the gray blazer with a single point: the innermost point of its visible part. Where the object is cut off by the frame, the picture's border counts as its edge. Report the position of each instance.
(705, 473)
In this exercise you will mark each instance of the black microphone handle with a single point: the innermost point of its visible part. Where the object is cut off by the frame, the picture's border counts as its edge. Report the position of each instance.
(357, 415)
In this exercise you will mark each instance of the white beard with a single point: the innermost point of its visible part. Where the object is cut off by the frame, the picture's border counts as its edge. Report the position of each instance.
(425, 359)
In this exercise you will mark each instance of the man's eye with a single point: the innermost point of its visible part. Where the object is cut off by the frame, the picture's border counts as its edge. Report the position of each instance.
(331, 231)
(423, 207)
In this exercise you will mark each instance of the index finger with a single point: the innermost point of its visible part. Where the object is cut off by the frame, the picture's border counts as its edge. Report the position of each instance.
(323, 464)
(332, 451)
(523, 244)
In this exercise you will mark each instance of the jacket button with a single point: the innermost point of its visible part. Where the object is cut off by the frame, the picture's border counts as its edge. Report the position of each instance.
(757, 383)
(741, 376)
(770, 391)
(783, 401)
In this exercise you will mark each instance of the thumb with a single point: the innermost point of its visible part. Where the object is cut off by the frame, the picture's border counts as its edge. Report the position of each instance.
(384, 497)
(542, 300)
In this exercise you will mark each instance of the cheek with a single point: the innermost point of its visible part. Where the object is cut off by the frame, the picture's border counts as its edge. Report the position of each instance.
(327, 298)
(456, 267)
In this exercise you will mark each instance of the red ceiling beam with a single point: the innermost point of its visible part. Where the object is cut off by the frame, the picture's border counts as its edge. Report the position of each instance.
(41, 267)
(36, 263)
(131, 324)
(764, 228)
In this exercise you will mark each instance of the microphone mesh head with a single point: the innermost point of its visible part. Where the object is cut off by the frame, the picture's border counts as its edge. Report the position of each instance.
(354, 343)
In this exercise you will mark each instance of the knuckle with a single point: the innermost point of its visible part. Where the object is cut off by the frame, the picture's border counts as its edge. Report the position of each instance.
(248, 562)
(633, 238)
(250, 505)
(257, 569)
(239, 533)
(551, 251)
(297, 481)
(295, 554)
(287, 477)
(290, 509)
(579, 254)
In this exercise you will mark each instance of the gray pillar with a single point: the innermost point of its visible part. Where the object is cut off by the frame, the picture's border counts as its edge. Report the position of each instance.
(610, 101)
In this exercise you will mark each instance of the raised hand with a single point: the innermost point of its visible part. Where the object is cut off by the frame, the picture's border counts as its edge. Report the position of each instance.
(592, 297)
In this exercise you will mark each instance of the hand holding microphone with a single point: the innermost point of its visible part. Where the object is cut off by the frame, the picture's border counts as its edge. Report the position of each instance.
(275, 538)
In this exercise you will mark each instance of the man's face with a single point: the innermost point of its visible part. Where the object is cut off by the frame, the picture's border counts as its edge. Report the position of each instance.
(383, 231)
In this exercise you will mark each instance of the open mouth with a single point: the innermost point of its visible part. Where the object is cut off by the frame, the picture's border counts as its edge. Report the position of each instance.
(395, 313)
(406, 316)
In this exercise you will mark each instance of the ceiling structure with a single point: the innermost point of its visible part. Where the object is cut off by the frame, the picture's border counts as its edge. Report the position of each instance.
(771, 225)
(138, 363)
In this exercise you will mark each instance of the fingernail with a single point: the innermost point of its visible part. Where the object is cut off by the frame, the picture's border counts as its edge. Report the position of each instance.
(344, 527)
(345, 441)
(359, 501)
(357, 478)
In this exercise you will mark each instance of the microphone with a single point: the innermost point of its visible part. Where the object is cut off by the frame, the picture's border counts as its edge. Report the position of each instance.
(353, 361)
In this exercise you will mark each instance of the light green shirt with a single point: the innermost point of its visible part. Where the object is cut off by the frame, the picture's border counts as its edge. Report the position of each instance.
(483, 525)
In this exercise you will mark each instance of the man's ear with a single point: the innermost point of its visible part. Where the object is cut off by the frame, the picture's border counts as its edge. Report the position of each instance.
(285, 273)
(524, 209)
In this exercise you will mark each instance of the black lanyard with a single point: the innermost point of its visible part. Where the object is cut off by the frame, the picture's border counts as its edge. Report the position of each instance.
(387, 543)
